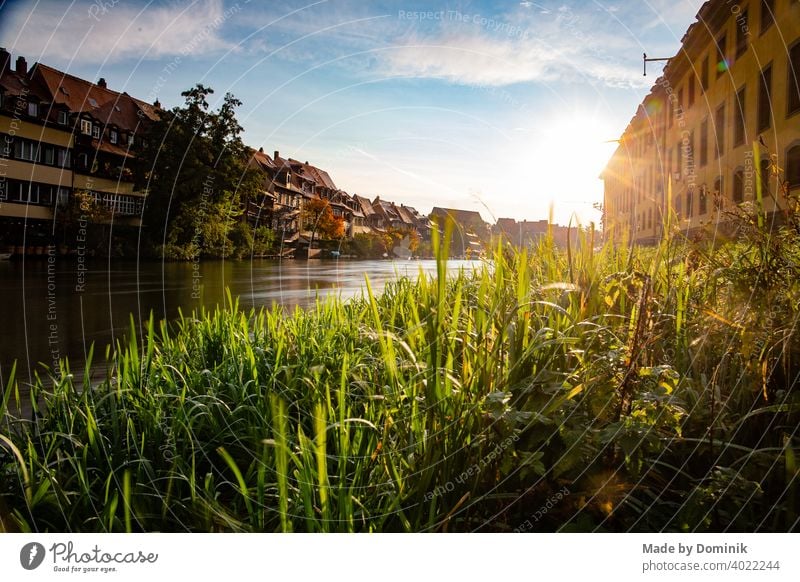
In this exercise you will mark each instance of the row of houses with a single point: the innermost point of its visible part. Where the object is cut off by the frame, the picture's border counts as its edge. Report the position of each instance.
(725, 112)
(59, 134)
(289, 184)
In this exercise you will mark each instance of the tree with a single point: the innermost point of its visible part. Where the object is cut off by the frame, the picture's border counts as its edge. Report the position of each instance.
(195, 168)
(318, 215)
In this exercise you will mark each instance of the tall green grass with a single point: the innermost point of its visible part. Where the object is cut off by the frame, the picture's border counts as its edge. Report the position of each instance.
(647, 382)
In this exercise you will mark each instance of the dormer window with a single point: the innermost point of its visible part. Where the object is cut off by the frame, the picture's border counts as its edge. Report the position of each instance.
(113, 135)
(86, 127)
(96, 131)
(33, 109)
(62, 117)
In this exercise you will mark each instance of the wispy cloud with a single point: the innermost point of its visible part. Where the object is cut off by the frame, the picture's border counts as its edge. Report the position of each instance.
(86, 32)
(476, 60)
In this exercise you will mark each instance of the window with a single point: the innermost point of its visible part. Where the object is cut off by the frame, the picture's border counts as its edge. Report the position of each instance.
(703, 200)
(26, 150)
(704, 143)
(764, 103)
(670, 112)
(718, 197)
(62, 198)
(49, 155)
(691, 89)
(63, 158)
(738, 186)
(113, 136)
(86, 127)
(690, 202)
(793, 86)
(62, 117)
(739, 126)
(766, 177)
(722, 49)
(704, 75)
(680, 98)
(742, 32)
(767, 15)
(96, 131)
(793, 167)
(719, 123)
(27, 193)
(33, 109)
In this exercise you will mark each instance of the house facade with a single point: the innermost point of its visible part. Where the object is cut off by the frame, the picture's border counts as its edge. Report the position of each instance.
(61, 135)
(725, 112)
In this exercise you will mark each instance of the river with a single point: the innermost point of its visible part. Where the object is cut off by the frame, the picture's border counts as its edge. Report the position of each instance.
(55, 309)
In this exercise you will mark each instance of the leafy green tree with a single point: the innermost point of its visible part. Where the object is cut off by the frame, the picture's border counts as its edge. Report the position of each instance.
(195, 167)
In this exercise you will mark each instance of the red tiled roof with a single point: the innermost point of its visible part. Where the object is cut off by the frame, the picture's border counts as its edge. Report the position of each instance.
(81, 96)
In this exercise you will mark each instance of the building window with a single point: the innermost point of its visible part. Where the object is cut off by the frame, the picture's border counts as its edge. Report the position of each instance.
(691, 89)
(742, 32)
(719, 122)
(767, 15)
(62, 117)
(704, 75)
(26, 150)
(690, 202)
(793, 167)
(764, 101)
(86, 127)
(33, 109)
(96, 131)
(113, 136)
(738, 186)
(703, 200)
(704, 143)
(793, 86)
(739, 118)
(722, 49)
(766, 177)
(49, 155)
(63, 158)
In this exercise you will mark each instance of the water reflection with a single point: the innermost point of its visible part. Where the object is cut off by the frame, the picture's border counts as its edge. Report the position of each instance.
(50, 310)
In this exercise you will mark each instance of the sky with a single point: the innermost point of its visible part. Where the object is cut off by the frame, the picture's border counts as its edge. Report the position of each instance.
(507, 108)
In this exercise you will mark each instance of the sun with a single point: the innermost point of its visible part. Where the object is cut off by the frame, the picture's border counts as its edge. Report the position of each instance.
(566, 156)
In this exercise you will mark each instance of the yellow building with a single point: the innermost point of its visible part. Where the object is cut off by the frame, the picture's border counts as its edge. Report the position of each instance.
(59, 135)
(733, 84)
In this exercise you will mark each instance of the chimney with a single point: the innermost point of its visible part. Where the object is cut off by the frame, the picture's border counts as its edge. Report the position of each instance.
(22, 66)
(261, 150)
(157, 104)
(276, 156)
(102, 82)
(5, 58)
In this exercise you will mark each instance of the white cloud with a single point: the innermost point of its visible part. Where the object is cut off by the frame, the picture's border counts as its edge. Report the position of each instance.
(475, 59)
(83, 31)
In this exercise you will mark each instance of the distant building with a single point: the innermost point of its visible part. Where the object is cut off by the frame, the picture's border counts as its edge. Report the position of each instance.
(734, 82)
(470, 234)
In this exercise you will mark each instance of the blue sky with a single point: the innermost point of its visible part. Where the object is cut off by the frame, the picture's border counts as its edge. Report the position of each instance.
(501, 107)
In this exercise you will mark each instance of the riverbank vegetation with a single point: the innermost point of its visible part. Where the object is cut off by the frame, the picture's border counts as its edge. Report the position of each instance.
(615, 389)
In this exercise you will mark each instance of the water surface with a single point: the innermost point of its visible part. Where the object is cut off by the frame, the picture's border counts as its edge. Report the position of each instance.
(54, 309)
